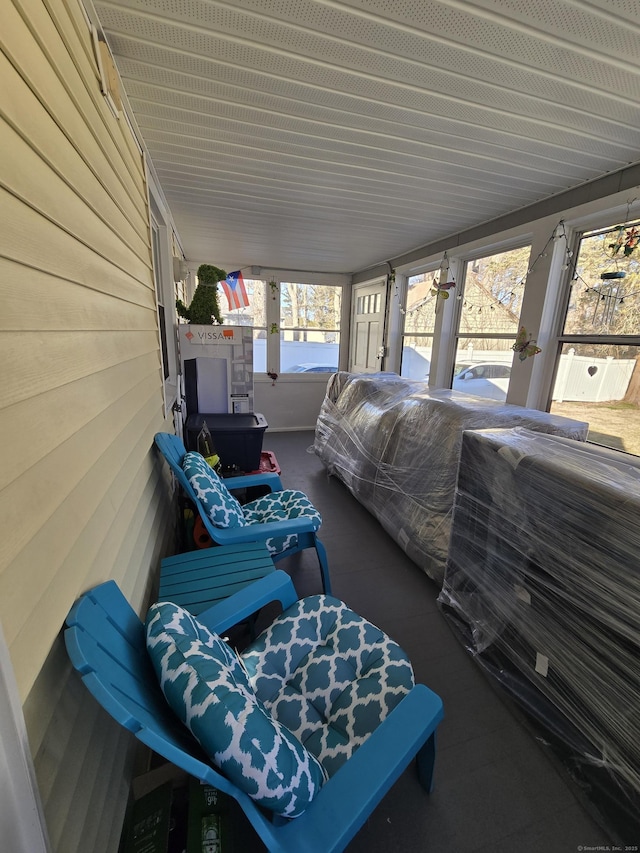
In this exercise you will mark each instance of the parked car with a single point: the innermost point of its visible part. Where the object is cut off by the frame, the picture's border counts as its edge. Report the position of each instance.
(310, 367)
(486, 379)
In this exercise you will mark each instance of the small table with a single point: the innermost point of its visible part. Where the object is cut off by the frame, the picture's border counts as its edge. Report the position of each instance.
(198, 579)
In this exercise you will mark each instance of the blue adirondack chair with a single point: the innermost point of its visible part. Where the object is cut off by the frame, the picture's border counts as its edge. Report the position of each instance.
(105, 640)
(282, 536)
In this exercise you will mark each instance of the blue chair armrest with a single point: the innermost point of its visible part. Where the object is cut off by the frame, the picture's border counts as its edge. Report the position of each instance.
(245, 481)
(344, 804)
(277, 586)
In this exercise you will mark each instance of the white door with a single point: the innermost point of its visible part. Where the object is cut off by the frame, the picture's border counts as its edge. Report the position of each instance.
(368, 306)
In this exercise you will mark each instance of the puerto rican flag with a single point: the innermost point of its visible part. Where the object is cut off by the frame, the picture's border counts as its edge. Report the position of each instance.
(235, 290)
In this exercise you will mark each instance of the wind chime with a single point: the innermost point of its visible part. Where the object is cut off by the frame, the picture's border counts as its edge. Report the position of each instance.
(611, 292)
(610, 295)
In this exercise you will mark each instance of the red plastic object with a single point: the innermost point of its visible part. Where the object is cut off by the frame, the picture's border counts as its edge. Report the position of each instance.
(268, 464)
(201, 538)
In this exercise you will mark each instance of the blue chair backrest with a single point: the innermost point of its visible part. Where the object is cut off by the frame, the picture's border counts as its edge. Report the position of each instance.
(173, 450)
(105, 640)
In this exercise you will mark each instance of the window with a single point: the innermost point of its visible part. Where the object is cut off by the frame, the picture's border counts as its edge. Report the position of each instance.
(490, 304)
(598, 368)
(309, 327)
(253, 314)
(419, 325)
(162, 250)
(158, 279)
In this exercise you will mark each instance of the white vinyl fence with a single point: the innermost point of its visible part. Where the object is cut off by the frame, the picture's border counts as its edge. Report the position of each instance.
(593, 380)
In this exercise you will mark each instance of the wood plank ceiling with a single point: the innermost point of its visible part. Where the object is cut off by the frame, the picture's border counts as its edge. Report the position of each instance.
(326, 135)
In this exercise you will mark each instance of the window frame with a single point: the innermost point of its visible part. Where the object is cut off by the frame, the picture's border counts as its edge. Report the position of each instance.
(486, 251)
(165, 298)
(232, 319)
(429, 270)
(278, 302)
(602, 223)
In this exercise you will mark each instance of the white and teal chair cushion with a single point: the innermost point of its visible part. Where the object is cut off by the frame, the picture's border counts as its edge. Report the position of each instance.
(206, 685)
(220, 505)
(281, 506)
(328, 675)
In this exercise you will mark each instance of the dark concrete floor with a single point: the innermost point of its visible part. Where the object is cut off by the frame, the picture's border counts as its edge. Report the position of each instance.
(497, 787)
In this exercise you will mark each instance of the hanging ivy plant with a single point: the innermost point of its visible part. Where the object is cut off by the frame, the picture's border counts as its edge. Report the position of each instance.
(204, 307)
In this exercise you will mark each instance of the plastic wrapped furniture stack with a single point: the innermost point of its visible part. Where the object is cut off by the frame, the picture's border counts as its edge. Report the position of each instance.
(396, 444)
(543, 581)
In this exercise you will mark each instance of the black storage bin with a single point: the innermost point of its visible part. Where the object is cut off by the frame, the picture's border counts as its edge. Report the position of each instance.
(237, 437)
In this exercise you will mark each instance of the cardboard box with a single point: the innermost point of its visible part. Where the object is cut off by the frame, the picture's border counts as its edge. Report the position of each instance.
(208, 822)
(150, 820)
(174, 813)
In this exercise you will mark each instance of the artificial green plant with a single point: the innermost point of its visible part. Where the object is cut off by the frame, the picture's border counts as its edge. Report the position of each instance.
(204, 307)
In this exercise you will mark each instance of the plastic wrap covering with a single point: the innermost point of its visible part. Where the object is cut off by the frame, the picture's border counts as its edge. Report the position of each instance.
(396, 444)
(543, 582)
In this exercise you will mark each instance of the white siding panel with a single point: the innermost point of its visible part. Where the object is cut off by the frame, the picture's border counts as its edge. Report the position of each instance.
(61, 722)
(74, 792)
(52, 197)
(116, 303)
(86, 754)
(79, 830)
(83, 496)
(38, 244)
(64, 75)
(36, 362)
(70, 407)
(32, 123)
(81, 488)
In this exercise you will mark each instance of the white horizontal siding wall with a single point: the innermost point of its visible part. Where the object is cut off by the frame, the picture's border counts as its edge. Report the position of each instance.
(82, 498)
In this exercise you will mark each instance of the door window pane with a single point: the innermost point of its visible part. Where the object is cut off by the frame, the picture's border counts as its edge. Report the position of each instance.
(369, 304)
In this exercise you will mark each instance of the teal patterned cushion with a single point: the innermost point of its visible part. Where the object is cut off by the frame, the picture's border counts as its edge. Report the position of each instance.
(207, 687)
(221, 506)
(281, 506)
(328, 675)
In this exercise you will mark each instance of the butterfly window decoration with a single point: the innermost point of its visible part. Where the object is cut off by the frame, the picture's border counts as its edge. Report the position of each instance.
(442, 290)
(524, 345)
